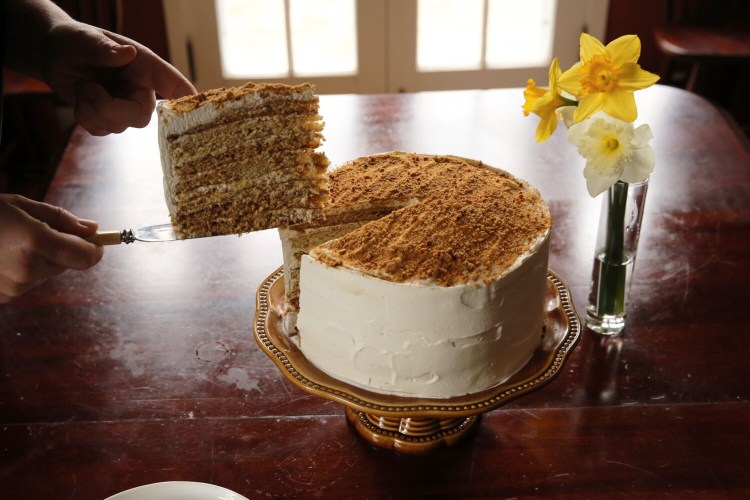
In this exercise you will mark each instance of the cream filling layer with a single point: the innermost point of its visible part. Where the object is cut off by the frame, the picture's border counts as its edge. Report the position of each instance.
(421, 339)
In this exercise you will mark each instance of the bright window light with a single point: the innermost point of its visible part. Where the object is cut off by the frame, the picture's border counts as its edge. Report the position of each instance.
(324, 37)
(449, 34)
(519, 34)
(252, 38)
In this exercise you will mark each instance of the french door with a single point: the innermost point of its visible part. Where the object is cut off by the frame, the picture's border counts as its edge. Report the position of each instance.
(375, 46)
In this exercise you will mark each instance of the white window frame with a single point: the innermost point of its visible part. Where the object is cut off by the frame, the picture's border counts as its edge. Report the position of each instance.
(193, 37)
(386, 49)
(571, 18)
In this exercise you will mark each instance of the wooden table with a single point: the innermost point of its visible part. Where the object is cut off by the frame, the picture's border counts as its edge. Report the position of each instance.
(145, 369)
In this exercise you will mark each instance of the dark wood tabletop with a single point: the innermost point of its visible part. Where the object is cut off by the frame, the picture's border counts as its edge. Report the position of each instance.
(145, 369)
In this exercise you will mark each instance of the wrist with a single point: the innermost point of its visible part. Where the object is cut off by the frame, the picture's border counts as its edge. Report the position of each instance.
(28, 24)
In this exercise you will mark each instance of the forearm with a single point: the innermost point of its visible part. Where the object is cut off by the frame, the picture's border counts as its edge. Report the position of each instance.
(28, 23)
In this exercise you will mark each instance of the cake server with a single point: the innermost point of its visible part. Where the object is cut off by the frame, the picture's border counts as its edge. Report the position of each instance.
(160, 232)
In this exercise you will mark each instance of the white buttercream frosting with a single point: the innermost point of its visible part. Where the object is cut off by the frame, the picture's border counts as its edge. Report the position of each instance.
(422, 339)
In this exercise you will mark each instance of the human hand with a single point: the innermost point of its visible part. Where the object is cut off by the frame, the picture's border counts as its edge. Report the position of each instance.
(110, 80)
(38, 241)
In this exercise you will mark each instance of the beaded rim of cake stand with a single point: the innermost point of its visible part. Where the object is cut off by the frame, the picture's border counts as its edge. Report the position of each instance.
(500, 395)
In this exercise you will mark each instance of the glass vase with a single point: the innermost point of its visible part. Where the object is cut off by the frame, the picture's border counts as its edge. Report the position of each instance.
(614, 259)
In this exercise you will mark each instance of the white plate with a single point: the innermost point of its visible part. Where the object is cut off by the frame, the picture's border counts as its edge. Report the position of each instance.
(178, 490)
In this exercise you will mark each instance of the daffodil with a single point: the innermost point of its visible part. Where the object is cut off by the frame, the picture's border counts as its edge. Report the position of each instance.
(606, 77)
(544, 102)
(614, 150)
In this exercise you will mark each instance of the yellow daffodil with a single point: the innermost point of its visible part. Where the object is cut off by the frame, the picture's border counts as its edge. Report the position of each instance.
(614, 151)
(544, 102)
(606, 77)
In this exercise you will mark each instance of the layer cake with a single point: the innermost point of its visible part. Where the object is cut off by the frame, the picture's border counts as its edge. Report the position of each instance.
(242, 159)
(427, 277)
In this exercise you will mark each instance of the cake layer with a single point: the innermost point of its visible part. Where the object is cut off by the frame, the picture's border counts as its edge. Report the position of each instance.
(249, 136)
(242, 159)
(261, 173)
(254, 197)
(273, 110)
(264, 166)
(231, 218)
(195, 111)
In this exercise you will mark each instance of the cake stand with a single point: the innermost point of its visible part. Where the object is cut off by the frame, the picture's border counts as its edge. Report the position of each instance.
(410, 424)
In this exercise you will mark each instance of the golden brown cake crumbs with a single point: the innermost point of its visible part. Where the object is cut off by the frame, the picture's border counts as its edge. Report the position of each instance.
(471, 222)
(218, 96)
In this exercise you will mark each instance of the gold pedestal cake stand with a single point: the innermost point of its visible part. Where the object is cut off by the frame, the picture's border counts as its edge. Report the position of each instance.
(410, 424)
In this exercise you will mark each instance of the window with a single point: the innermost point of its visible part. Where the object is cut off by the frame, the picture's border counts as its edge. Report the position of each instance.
(277, 39)
(348, 46)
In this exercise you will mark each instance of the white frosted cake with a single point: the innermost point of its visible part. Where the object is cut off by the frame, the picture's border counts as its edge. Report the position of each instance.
(441, 295)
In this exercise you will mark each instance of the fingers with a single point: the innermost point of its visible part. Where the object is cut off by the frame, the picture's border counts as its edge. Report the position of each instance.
(55, 217)
(111, 80)
(38, 241)
(56, 236)
(169, 83)
(107, 53)
(153, 72)
(101, 113)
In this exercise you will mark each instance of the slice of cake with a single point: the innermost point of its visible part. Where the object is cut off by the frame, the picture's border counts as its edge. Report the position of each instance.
(242, 159)
(443, 296)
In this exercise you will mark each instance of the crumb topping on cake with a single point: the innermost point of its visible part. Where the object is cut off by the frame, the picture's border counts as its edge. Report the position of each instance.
(470, 224)
(221, 95)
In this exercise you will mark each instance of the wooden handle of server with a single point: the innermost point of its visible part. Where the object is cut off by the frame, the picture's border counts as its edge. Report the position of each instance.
(105, 238)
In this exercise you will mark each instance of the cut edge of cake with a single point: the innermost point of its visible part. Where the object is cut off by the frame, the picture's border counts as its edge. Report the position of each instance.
(298, 240)
(243, 159)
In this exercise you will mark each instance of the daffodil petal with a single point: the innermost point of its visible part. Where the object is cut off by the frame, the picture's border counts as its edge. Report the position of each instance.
(554, 74)
(546, 127)
(565, 113)
(532, 95)
(626, 49)
(576, 131)
(597, 183)
(642, 135)
(590, 105)
(639, 165)
(632, 77)
(590, 47)
(570, 80)
(621, 104)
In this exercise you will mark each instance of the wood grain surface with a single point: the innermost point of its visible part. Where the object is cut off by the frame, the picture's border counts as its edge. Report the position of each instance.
(144, 368)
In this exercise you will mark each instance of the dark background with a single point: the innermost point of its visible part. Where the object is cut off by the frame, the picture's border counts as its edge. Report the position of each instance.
(37, 126)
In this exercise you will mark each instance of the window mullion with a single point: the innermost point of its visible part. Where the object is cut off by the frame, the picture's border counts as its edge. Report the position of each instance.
(485, 22)
(288, 26)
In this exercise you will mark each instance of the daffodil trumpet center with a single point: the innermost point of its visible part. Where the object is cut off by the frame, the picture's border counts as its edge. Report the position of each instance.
(599, 75)
(607, 145)
(611, 145)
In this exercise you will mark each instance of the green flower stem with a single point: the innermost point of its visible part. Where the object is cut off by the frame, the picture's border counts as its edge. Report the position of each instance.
(613, 274)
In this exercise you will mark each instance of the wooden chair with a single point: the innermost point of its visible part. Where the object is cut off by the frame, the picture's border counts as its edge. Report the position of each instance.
(704, 32)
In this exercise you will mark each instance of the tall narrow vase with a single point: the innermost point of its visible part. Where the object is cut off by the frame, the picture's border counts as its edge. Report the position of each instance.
(614, 258)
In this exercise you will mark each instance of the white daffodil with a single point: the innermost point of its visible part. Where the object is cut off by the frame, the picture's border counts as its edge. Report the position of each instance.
(614, 151)
(565, 115)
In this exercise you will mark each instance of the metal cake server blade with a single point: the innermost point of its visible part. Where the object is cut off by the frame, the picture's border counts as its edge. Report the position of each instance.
(159, 232)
